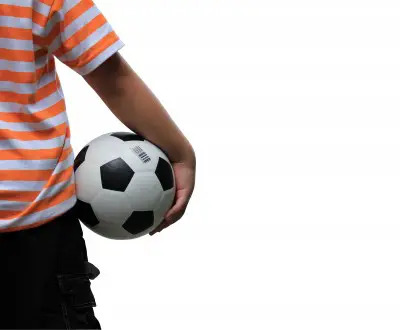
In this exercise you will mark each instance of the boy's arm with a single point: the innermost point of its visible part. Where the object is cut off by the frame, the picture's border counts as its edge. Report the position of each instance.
(126, 95)
(134, 105)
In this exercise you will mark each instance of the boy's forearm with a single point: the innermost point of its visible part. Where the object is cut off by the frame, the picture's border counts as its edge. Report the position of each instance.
(134, 105)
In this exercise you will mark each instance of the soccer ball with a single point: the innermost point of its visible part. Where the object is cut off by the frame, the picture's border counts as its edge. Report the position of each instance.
(124, 185)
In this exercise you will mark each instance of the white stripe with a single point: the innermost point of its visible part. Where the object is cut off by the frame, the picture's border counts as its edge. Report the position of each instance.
(9, 86)
(17, 66)
(29, 127)
(13, 205)
(16, 22)
(11, 107)
(45, 103)
(21, 185)
(68, 5)
(22, 3)
(32, 108)
(31, 67)
(23, 164)
(67, 143)
(20, 88)
(40, 7)
(12, 144)
(66, 163)
(16, 44)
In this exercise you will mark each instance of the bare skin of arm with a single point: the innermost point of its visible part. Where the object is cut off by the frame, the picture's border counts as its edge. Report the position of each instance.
(133, 103)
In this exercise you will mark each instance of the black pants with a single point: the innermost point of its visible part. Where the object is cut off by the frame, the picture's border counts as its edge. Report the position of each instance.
(45, 277)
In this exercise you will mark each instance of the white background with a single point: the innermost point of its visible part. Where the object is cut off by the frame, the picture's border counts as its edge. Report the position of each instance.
(293, 108)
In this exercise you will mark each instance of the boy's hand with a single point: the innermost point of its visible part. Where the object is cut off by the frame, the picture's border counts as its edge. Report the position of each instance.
(184, 179)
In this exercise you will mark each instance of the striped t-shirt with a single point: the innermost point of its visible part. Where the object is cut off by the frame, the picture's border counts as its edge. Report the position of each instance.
(37, 181)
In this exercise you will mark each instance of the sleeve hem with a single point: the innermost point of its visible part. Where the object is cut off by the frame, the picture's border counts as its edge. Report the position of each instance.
(99, 59)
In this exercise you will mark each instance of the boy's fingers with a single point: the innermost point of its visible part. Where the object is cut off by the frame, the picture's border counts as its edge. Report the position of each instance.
(177, 210)
(173, 215)
(160, 227)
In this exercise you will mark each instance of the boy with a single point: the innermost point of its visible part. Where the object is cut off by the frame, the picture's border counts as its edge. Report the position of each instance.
(44, 272)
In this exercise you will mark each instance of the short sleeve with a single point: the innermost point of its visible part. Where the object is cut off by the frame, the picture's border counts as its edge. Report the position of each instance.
(79, 35)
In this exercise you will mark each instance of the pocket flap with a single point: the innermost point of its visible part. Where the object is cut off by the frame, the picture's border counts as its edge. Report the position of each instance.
(91, 270)
(76, 288)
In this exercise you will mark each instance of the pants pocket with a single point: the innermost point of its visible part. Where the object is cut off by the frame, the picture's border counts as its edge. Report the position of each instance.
(77, 299)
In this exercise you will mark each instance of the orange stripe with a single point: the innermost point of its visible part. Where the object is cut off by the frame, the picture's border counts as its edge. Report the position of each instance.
(77, 11)
(46, 90)
(28, 154)
(56, 5)
(53, 132)
(40, 205)
(39, 18)
(15, 11)
(15, 33)
(94, 51)
(25, 175)
(17, 77)
(47, 2)
(68, 133)
(17, 55)
(18, 196)
(16, 98)
(37, 117)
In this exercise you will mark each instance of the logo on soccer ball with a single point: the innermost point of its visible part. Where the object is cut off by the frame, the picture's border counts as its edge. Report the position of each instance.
(141, 154)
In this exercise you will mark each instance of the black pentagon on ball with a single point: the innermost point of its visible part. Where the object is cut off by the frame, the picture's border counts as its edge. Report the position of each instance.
(116, 175)
(125, 136)
(139, 221)
(164, 174)
(85, 213)
(79, 159)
